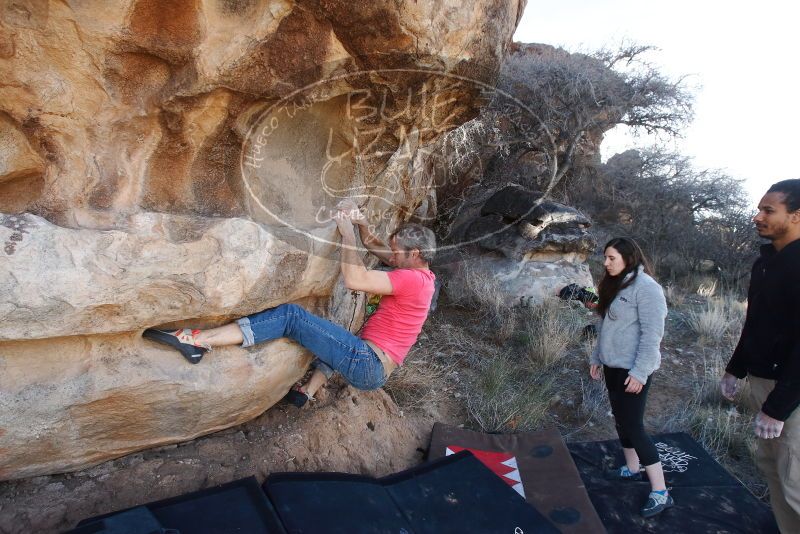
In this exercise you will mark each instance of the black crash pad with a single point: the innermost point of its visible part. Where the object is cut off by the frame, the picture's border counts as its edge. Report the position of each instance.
(453, 494)
(137, 520)
(536, 464)
(238, 506)
(707, 497)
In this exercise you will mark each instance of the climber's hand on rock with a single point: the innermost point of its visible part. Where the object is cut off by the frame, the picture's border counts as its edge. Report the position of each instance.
(352, 211)
(344, 224)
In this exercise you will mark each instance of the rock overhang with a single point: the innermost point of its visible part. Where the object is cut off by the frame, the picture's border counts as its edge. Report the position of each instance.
(124, 205)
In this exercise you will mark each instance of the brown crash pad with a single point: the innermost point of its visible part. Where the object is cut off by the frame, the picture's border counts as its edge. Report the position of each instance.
(537, 465)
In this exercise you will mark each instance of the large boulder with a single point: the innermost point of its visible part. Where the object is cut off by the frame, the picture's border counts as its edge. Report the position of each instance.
(531, 247)
(175, 162)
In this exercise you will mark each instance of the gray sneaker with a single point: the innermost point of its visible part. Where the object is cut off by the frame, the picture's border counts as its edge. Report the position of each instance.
(657, 503)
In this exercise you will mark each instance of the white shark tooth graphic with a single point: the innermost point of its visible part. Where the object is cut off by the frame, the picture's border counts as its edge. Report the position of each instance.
(514, 475)
(511, 462)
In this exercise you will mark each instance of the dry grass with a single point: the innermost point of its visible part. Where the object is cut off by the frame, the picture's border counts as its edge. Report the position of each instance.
(723, 428)
(675, 296)
(506, 397)
(720, 318)
(511, 384)
(481, 291)
(594, 398)
(547, 331)
(419, 383)
(432, 366)
(587, 346)
(483, 294)
(706, 380)
(501, 391)
(515, 385)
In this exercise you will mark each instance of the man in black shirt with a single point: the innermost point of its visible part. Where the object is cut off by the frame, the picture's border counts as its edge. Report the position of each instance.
(768, 352)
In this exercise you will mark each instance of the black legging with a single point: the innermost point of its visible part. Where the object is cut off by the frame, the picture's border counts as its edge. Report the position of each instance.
(628, 409)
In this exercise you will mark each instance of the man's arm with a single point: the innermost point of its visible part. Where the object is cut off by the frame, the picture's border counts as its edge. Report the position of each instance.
(784, 399)
(736, 365)
(736, 369)
(356, 276)
(373, 243)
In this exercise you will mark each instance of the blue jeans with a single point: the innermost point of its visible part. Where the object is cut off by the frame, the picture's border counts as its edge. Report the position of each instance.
(336, 349)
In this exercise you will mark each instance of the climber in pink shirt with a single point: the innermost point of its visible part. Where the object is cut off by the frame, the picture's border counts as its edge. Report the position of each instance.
(365, 360)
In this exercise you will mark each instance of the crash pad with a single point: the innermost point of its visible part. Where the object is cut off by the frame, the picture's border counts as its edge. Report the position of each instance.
(707, 497)
(238, 506)
(537, 465)
(452, 494)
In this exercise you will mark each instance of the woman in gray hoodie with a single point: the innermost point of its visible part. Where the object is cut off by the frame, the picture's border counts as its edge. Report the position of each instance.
(632, 309)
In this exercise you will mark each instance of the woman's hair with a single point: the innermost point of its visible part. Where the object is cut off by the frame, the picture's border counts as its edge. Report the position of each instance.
(634, 258)
(412, 236)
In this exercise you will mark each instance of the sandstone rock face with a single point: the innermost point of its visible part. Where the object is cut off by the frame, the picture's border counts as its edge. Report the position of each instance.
(174, 162)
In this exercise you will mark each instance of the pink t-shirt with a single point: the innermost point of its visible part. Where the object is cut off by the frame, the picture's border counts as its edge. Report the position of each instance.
(397, 322)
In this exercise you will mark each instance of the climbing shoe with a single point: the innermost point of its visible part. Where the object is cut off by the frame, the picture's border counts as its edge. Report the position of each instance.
(298, 397)
(657, 502)
(182, 340)
(623, 473)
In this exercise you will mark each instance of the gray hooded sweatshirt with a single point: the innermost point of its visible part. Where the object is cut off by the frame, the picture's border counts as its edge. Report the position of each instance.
(629, 337)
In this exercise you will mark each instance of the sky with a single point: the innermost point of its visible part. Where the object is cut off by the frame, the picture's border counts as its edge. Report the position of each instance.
(741, 58)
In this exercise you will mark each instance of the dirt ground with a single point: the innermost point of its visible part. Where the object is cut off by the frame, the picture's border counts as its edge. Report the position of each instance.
(345, 430)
